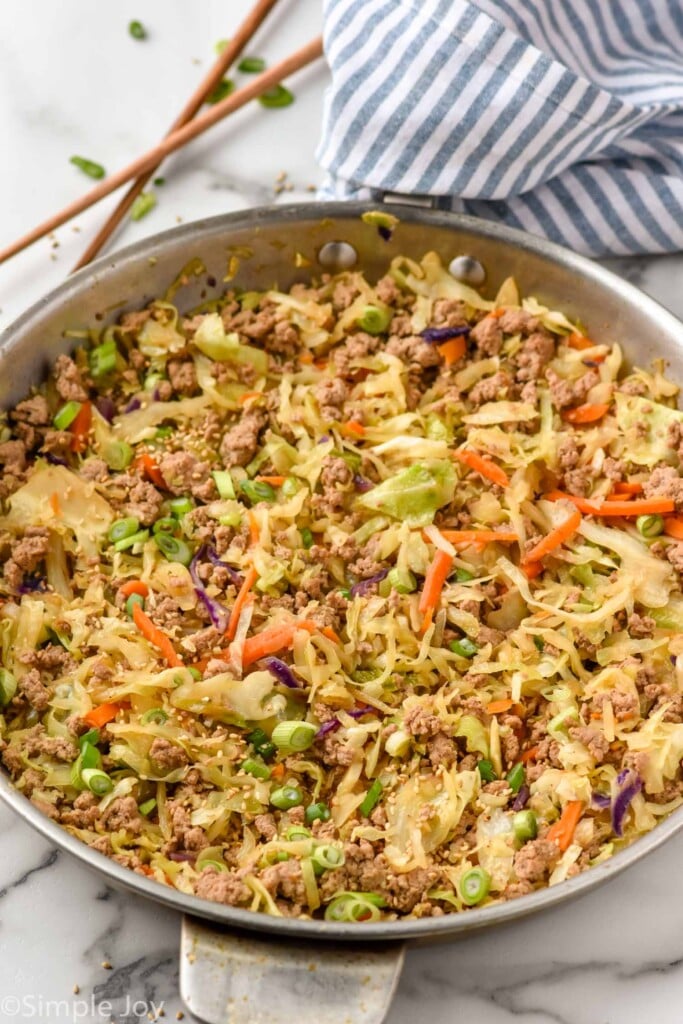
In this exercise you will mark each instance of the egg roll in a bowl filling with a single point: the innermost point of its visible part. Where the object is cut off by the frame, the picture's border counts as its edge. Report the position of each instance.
(356, 601)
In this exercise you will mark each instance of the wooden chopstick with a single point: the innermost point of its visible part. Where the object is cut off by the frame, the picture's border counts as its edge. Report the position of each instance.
(270, 78)
(227, 57)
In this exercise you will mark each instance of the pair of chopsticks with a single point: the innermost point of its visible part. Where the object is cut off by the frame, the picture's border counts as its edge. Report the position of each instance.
(187, 126)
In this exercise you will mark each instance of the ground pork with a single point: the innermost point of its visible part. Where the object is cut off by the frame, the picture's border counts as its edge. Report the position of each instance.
(488, 336)
(13, 457)
(419, 721)
(665, 483)
(84, 813)
(37, 742)
(48, 658)
(183, 472)
(641, 625)
(570, 392)
(334, 751)
(284, 340)
(34, 411)
(26, 555)
(330, 396)
(68, 380)
(144, 502)
(239, 444)
(594, 741)
(490, 388)
(536, 859)
(568, 452)
(265, 826)
(182, 375)
(123, 813)
(441, 750)
(95, 470)
(166, 756)
(222, 887)
(414, 350)
(578, 481)
(34, 690)
(284, 879)
(535, 353)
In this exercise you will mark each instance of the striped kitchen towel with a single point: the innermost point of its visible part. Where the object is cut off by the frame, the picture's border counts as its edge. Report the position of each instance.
(561, 117)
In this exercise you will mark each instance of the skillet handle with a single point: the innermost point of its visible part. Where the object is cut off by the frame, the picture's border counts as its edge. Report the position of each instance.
(244, 978)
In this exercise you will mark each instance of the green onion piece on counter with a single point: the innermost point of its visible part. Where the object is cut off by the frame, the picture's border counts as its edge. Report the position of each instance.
(317, 812)
(66, 415)
(129, 542)
(220, 45)
(297, 832)
(290, 487)
(156, 715)
(474, 886)
(463, 575)
(371, 798)
(516, 777)
(251, 65)
(97, 781)
(306, 537)
(92, 736)
(278, 96)
(194, 672)
(374, 319)
(256, 768)
(123, 528)
(159, 182)
(464, 648)
(327, 858)
(486, 770)
(649, 526)
(355, 906)
(402, 581)
(221, 91)
(102, 359)
(165, 525)
(293, 736)
(118, 455)
(142, 205)
(525, 826)
(286, 797)
(147, 807)
(137, 30)
(224, 485)
(539, 643)
(173, 549)
(132, 601)
(257, 490)
(88, 167)
(180, 507)
(8, 687)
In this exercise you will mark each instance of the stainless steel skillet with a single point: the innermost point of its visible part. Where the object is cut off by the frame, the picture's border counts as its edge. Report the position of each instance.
(235, 963)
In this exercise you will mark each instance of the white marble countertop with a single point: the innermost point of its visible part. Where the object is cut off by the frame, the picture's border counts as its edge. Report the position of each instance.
(73, 81)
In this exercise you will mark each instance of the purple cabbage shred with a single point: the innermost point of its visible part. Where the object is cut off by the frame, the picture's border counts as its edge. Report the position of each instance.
(437, 334)
(282, 672)
(522, 798)
(363, 586)
(106, 408)
(236, 578)
(333, 723)
(600, 801)
(134, 404)
(361, 484)
(629, 784)
(220, 616)
(55, 459)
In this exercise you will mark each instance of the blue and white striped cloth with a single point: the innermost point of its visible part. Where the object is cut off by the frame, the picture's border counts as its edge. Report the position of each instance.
(561, 117)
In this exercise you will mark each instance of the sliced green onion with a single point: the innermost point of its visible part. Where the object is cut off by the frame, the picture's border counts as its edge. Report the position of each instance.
(261, 743)
(525, 826)
(92, 736)
(539, 643)
(66, 415)
(217, 864)
(371, 798)
(327, 858)
(345, 592)
(256, 768)
(164, 432)
(286, 797)
(516, 777)
(159, 181)
(463, 575)
(123, 528)
(156, 715)
(278, 96)
(402, 581)
(88, 167)
(257, 490)
(194, 672)
(317, 812)
(486, 770)
(464, 648)
(165, 525)
(293, 736)
(224, 484)
(355, 906)
(297, 832)
(8, 687)
(306, 537)
(102, 359)
(90, 756)
(137, 30)
(251, 65)
(118, 455)
(142, 205)
(129, 542)
(474, 886)
(180, 507)
(97, 781)
(650, 526)
(173, 549)
(221, 91)
(147, 808)
(374, 319)
(132, 601)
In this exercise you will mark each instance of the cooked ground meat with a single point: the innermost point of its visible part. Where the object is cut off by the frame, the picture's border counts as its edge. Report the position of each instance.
(123, 814)
(535, 859)
(144, 502)
(185, 474)
(68, 380)
(665, 483)
(28, 553)
(166, 756)
(222, 887)
(239, 444)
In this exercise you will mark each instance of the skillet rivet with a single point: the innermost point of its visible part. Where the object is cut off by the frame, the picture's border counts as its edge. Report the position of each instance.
(337, 256)
(468, 270)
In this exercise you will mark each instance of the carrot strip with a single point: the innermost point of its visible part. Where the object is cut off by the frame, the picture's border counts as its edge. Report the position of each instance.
(274, 481)
(331, 635)
(531, 569)
(479, 536)
(306, 358)
(579, 341)
(627, 488)
(248, 395)
(555, 538)
(639, 507)
(673, 527)
(427, 620)
(99, 716)
(562, 832)
(496, 707)
(254, 532)
(134, 587)
(528, 755)
(155, 636)
(453, 349)
(586, 413)
(277, 771)
(485, 467)
(434, 581)
(147, 464)
(80, 428)
(54, 504)
(249, 581)
(352, 429)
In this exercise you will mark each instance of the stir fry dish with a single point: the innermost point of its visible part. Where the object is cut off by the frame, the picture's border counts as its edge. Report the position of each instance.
(353, 601)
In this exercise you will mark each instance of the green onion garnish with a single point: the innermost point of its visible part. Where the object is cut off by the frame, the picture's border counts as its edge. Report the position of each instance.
(251, 65)
(306, 537)
(257, 490)
(355, 906)
(8, 686)
(650, 526)
(297, 832)
(326, 858)
(155, 715)
(474, 886)
(194, 672)
(88, 167)
(290, 487)
(129, 542)
(179, 507)
(152, 380)
(486, 771)
(317, 812)
(92, 736)
(97, 781)
(147, 807)
(292, 736)
(464, 648)
(224, 484)
(278, 96)
(525, 826)
(118, 455)
(286, 797)
(261, 743)
(102, 359)
(123, 528)
(256, 768)
(132, 601)
(165, 525)
(90, 756)
(539, 643)
(66, 415)
(402, 581)
(175, 550)
(374, 319)
(371, 798)
(222, 90)
(137, 30)
(516, 777)
(463, 575)
(145, 202)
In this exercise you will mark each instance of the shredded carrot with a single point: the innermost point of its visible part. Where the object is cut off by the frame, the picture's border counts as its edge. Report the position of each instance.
(453, 349)
(485, 467)
(149, 467)
(272, 640)
(627, 488)
(434, 580)
(99, 716)
(673, 527)
(479, 536)
(562, 832)
(54, 504)
(330, 634)
(248, 395)
(639, 507)
(80, 428)
(254, 532)
(427, 620)
(306, 358)
(496, 707)
(274, 481)
(352, 429)
(555, 538)
(588, 413)
(496, 314)
(532, 569)
(277, 771)
(320, 364)
(134, 587)
(579, 341)
(155, 636)
(528, 755)
(249, 581)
